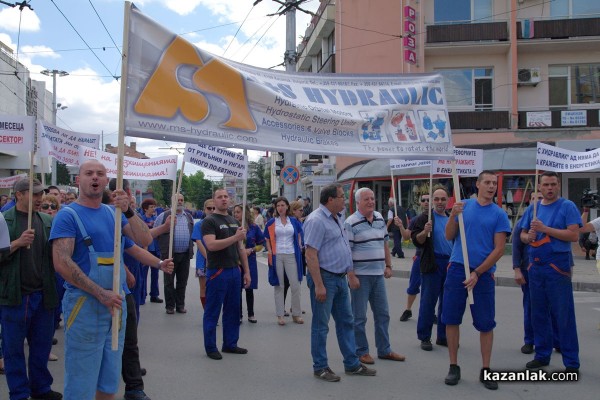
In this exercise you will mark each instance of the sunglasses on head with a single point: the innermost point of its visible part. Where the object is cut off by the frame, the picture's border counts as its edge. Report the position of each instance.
(210, 208)
(47, 206)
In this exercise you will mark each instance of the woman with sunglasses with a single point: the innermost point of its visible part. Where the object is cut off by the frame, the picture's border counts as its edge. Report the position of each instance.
(254, 242)
(49, 205)
(283, 233)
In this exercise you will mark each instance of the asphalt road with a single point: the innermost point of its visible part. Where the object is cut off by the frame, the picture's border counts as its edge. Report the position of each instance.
(279, 364)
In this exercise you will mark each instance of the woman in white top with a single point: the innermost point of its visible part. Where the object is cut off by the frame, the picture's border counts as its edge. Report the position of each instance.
(283, 233)
(258, 218)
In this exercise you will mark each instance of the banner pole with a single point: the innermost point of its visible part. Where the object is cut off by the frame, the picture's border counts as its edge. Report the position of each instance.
(174, 196)
(116, 317)
(430, 195)
(535, 191)
(245, 195)
(30, 194)
(461, 228)
(394, 193)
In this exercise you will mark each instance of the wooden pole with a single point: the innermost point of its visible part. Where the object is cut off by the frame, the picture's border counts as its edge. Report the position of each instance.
(30, 210)
(430, 195)
(174, 196)
(245, 194)
(535, 191)
(116, 318)
(394, 193)
(461, 228)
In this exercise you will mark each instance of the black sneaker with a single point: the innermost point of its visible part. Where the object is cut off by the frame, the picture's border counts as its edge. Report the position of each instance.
(326, 374)
(527, 349)
(453, 375)
(214, 355)
(536, 364)
(156, 300)
(51, 395)
(442, 342)
(136, 395)
(235, 350)
(488, 383)
(362, 370)
(406, 315)
(143, 371)
(54, 341)
(426, 345)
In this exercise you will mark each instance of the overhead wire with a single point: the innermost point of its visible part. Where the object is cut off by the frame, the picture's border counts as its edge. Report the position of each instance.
(260, 38)
(238, 30)
(84, 41)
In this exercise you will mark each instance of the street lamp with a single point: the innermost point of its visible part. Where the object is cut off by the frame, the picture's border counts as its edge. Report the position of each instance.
(55, 106)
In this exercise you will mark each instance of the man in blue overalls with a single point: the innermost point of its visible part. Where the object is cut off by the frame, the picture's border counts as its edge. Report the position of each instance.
(83, 253)
(549, 235)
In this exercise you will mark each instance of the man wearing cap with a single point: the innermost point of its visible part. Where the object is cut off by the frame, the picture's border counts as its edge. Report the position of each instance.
(28, 297)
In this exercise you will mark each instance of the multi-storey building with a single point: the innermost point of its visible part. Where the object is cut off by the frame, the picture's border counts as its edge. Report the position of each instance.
(516, 72)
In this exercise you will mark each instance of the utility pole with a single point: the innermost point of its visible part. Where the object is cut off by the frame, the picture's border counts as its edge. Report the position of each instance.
(290, 58)
(54, 73)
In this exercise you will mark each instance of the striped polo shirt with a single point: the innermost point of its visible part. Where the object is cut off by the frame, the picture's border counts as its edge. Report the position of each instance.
(367, 241)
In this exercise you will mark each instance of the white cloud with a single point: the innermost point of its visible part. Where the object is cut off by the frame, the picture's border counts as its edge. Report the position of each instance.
(9, 20)
(38, 51)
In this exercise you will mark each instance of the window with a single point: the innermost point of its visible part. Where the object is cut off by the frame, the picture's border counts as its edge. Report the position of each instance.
(574, 8)
(573, 84)
(460, 11)
(469, 87)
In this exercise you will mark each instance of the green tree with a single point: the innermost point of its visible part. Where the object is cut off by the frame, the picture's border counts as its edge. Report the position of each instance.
(258, 182)
(62, 175)
(196, 189)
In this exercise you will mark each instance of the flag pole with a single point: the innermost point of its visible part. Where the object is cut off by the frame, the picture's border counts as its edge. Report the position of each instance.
(461, 228)
(116, 326)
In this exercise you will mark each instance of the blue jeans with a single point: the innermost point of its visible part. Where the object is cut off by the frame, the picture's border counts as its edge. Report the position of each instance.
(337, 305)
(432, 289)
(222, 290)
(397, 249)
(31, 321)
(372, 291)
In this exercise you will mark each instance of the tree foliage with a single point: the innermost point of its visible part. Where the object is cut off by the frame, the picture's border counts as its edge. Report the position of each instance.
(259, 190)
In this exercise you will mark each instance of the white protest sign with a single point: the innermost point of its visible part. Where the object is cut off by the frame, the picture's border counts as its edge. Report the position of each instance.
(16, 133)
(217, 159)
(9, 182)
(551, 158)
(62, 144)
(469, 162)
(404, 164)
(4, 235)
(145, 169)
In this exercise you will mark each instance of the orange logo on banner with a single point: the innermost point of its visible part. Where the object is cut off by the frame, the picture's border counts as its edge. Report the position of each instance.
(163, 95)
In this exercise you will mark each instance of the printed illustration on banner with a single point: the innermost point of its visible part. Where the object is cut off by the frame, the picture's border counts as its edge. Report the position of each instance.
(372, 126)
(403, 126)
(433, 125)
(164, 96)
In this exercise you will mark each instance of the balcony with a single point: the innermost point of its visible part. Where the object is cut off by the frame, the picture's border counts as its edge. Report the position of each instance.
(562, 28)
(468, 32)
(479, 120)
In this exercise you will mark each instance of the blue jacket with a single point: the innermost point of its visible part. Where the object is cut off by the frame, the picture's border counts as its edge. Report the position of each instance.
(298, 232)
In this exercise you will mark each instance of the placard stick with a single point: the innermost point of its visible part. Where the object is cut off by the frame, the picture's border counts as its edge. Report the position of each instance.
(461, 229)
(117, 314)
(30, 194)
(430, 195)
(244, 197)
(535, 191)
(174, 196)
(394, 193)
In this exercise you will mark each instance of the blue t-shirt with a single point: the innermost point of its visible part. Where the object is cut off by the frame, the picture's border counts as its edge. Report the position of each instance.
(440, 244)
(197, 235)
(566, 214)
(99, 224)
(153, 246)
(481, 225)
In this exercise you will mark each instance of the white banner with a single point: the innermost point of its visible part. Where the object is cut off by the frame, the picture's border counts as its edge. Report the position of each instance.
(403, 164)
(217, 159)
(181, 93)
(17, 133)
(145, 169)
(469, 162)
(9, 181)
(551, 158)
(63, 144)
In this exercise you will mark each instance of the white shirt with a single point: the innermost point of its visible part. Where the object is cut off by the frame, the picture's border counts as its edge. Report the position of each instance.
(284, 236)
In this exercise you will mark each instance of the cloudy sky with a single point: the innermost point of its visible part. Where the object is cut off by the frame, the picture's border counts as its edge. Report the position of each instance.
(57, 34)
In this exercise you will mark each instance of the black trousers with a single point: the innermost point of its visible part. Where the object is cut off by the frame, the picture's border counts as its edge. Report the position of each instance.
(175, 292)
(131, 371)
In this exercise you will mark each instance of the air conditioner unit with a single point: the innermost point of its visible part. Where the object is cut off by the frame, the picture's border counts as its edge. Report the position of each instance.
(529, 76)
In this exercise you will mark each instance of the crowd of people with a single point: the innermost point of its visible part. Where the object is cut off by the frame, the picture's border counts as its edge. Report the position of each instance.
(62, 270)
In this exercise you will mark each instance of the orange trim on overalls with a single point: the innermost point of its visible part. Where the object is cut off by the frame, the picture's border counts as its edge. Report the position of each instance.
(219, 272)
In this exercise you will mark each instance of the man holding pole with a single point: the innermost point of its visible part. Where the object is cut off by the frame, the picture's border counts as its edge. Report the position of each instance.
(549, 235)
(83, 253)
(486, 229)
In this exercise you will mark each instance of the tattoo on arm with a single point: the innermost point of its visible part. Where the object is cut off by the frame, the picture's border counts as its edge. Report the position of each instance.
(62, 250)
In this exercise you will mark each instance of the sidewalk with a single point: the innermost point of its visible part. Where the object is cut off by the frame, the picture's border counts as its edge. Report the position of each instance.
(585, 275)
